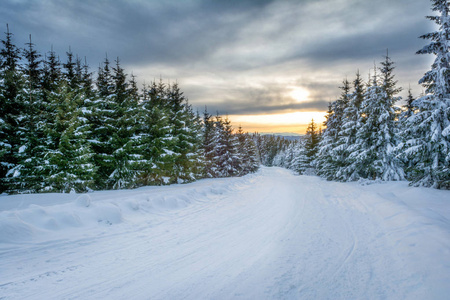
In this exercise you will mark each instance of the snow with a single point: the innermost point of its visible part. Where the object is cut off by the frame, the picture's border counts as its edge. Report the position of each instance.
(269, 235)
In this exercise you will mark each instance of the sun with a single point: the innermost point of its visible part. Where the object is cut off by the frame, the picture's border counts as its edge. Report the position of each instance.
(299, 94)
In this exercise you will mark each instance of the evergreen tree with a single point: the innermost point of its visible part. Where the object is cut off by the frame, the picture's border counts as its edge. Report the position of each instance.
(69, 163)
(301, 163)
(185, 139)
(151, 139)
(103, 121)
(29, 157)
(330, 156)
(70, 70)
(347, 136)
(374, 156)
(428, 130)
(226, 159)
(248, 153)
(312, 140)
(124, 117)
(12, 109)
(208, 145)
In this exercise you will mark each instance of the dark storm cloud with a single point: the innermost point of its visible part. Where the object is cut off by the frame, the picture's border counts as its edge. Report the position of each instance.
(240, 56)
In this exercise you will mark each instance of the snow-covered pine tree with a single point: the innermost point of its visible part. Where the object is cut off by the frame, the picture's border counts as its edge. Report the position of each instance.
(376, 139)
(32, 142)
(12, 109)
(408, 108)
(301, 163)
(330, 158)
(208, 135)
(70, 70)
(324, 161)
(69, 163)
(151, 140)
(125, 116)
(185, 140)
(280, 159)
(195, 134)
(103, 121)
(428, 129)
(312, 139)
(285, 157)
(247, 152)
(226, 160)
(252, 165)
(347, 135)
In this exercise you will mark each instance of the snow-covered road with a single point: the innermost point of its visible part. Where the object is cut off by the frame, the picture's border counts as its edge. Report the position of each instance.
(271, 235)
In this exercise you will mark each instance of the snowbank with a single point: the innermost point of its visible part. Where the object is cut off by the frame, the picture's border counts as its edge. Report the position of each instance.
(41, 216)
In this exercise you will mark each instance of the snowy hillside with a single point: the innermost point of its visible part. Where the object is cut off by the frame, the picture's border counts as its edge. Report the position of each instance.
(270, 235)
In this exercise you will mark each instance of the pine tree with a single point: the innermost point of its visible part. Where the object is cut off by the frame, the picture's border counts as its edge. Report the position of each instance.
(428, 130)
(12, 108)
(247, 152)
(32, 141)
(312, 140)
(103, 121)
(69, 164)
(347, 135)
(185, 139)
(226, 159)
(208, 134)
(151, 139)
(330, 156)
(124, 117)
(376, 139)
(301, 163)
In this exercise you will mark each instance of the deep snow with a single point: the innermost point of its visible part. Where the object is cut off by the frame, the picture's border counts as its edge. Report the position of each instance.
(270, 235)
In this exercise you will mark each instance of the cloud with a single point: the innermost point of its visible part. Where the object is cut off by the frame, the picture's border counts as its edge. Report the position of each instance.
(238, 56)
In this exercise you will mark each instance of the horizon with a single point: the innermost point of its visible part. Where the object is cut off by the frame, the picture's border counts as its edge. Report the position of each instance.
(271, 66)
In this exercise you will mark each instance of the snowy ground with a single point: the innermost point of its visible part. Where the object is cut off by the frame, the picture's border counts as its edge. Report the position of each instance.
(271, 235)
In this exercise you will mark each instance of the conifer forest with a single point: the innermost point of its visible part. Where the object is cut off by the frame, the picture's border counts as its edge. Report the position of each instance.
(275, 149)
(64, 127)
(63, 130)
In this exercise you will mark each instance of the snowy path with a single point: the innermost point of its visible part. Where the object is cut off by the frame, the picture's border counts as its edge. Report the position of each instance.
(272, 235)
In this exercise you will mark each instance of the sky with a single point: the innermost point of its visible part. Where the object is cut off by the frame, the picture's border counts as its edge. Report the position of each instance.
(271, 66)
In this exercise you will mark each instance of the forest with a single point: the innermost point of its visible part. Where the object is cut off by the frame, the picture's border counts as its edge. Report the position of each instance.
(368, 136)
(65, 128)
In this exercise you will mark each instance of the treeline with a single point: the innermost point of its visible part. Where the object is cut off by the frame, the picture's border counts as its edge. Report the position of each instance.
(368, 137)
(63, 130)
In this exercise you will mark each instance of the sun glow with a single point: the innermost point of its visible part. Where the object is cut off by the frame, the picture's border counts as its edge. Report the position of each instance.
(299, 94)
(289, 122)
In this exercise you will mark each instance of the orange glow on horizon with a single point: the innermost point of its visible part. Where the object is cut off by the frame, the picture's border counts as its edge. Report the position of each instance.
(296, 122)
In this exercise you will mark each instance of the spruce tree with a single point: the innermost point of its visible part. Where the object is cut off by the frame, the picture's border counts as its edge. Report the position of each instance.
(428, 145)
(376, 139)
(69, 164)
(330, 156)
(301, 163)
(226, 159)
(247, 152)
(347, 135)
(408, 109)
(151, 139)
(208, 134)
(32, 142)
(12, 109)
(185, 139)
(103, 121)
(312, 140)
(124, 117)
